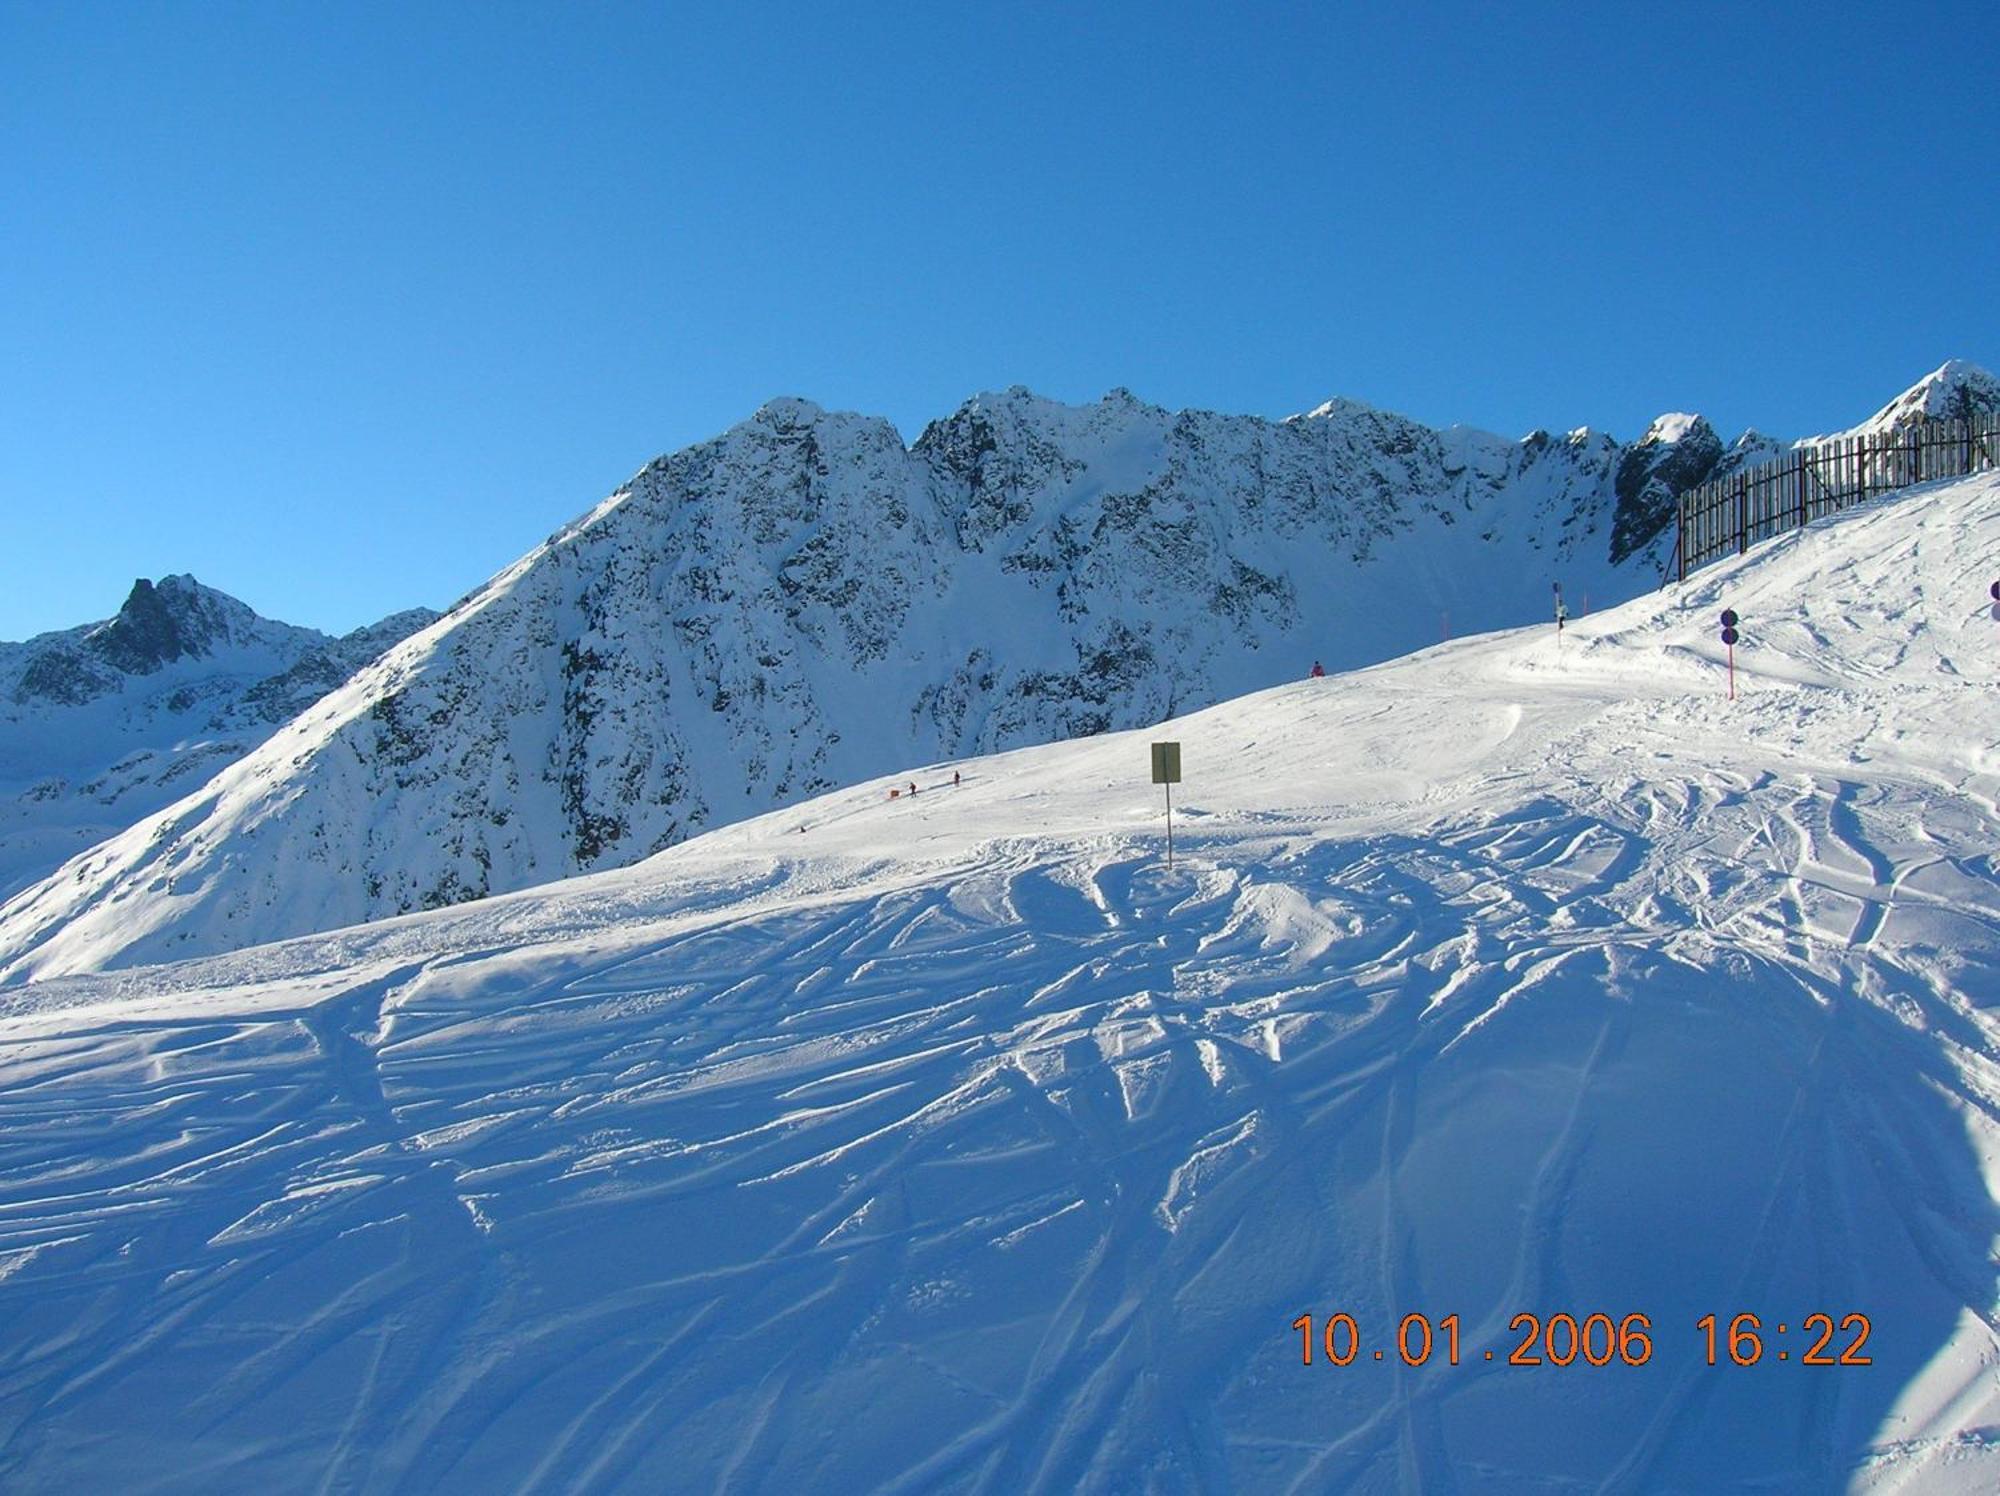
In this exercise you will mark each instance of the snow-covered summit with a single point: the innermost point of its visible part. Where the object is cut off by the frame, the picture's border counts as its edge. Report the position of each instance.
(1678, 452)
(1339, 407)
(1955, 390)
(1674, 426)
(786, 411)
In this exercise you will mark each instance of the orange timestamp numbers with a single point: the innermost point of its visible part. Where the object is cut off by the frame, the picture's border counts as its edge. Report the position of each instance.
(1593, 1339)
(1558, 1340)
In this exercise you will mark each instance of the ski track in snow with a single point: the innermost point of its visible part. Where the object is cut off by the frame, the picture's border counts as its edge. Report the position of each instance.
(1004, 1164)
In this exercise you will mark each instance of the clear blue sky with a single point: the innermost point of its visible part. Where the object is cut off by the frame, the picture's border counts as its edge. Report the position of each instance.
(342, 307)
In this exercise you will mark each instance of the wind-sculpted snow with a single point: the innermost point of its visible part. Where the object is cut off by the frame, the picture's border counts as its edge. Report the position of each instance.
(956, 1143)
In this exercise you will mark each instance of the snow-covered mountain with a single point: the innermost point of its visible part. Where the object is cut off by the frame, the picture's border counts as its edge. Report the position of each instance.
(805, 601)
(1954, 391)
(108, 722)
(954, 1144)
(1678, 452)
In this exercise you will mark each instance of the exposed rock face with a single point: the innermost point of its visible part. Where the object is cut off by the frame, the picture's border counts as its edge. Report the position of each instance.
(1678, 452)
(177, 619)
(156, 625)
(804, 601)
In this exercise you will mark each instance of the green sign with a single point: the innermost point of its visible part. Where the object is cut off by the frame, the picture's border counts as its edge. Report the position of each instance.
(1166, 763)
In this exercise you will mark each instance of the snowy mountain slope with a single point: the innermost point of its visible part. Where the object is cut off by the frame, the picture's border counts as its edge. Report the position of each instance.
(1954, 391)
(103, 724)
(954, 1143)
(804, 602)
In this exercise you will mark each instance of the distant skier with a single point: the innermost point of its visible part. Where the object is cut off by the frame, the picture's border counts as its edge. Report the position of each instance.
(1319, 671)
(954, 779)
(913, 786)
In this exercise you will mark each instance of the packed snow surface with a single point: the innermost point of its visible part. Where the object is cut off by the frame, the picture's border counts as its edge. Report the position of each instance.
(955, 1143)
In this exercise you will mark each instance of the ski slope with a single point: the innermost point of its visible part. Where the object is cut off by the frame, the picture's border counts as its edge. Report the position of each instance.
(954, 1143)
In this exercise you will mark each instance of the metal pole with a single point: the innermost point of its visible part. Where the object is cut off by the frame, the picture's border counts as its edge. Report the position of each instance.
(1170, 823)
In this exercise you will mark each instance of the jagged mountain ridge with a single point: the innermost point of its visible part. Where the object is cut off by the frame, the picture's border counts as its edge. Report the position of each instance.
(107, 722)
(806, 601)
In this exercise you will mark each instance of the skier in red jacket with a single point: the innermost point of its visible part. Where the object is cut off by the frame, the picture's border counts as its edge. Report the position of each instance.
(1319, 670)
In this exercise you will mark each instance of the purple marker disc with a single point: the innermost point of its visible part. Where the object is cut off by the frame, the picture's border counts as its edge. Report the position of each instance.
(1729, 636)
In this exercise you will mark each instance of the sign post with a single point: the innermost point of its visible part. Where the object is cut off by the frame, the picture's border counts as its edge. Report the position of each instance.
(1729, 637)
(1167, 771)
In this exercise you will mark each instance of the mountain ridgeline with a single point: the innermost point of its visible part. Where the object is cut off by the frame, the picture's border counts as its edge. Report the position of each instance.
(805, 601)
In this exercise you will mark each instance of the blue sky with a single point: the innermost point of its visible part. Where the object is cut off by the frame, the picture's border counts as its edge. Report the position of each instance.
(341, 308)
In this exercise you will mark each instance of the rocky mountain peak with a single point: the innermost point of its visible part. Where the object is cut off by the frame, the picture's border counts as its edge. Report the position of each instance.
(1678, 451)
(158, 624)
(1677, 426)
(1338, 406)
(1954, 390)
(787, 412)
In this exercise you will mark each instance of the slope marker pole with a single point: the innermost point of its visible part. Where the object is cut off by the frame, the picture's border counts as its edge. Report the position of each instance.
(1167, 772)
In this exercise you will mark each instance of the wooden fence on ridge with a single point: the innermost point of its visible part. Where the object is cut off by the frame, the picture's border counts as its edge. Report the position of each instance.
(1726, 515)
